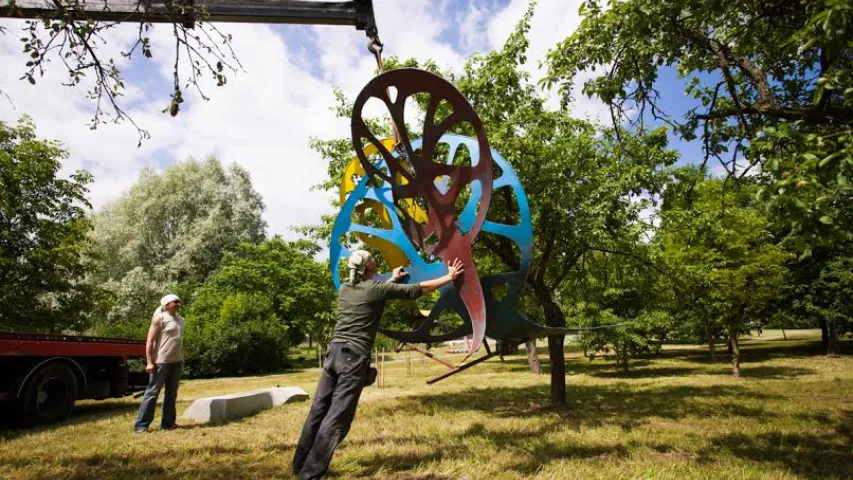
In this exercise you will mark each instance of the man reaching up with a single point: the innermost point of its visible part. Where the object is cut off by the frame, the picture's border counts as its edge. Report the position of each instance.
(360, 305)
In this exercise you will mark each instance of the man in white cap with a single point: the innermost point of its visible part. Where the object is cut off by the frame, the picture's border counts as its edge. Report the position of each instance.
(165, 364)
(360, 305)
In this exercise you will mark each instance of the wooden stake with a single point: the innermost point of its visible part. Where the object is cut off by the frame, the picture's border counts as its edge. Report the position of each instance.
(382, 368)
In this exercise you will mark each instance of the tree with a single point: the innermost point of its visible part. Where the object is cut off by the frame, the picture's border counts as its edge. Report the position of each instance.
(817, 291)
(773, 84)
(722, 239)
(43, 231)
(255, 306)
(69, 35)
(168, 232)
(580, 179)
(637, 299)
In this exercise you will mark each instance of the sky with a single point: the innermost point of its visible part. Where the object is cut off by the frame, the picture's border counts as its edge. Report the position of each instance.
(265, 116)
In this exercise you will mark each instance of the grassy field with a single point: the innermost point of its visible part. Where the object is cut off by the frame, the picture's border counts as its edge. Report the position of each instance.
(789, 416)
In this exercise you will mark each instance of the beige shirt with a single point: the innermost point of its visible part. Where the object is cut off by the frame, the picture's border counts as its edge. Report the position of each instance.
(170, 340)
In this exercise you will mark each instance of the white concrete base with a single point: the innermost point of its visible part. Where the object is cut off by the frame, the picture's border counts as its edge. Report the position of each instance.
(238, 405)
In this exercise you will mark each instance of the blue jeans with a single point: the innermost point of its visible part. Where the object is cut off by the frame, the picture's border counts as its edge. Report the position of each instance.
(168, 374)
(333, 410)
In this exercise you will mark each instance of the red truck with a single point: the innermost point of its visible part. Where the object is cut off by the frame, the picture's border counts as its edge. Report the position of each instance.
(41, 376)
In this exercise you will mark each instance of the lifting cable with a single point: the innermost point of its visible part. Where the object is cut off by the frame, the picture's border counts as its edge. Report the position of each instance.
(374, 45)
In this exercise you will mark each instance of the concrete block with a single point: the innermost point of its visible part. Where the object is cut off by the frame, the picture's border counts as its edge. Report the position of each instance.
(237, 405)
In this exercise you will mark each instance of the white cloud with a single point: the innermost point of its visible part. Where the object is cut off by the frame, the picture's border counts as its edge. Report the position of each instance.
(473, 34)
(264, 117)
(261, 120)
(553, 21)
(408, 29)
(739, 167)
(64, 113)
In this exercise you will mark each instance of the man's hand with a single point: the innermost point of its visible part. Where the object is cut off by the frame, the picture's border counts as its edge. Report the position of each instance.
(151, 368)
(454, 269)
(398, 274)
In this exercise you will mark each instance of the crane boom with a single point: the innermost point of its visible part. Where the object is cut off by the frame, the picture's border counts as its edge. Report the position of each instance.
(357, 13)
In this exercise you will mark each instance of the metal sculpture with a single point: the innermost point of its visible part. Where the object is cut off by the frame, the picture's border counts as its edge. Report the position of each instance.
(358, 197)
(398, 193)
(504, 323)
(412, 178)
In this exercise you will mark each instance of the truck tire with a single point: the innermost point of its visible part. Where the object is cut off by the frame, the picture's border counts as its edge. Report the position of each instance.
(49, 394)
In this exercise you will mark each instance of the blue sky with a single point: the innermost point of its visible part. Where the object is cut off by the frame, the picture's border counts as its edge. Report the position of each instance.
(263, 119)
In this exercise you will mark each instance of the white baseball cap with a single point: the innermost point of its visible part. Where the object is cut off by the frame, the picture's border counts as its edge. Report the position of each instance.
(169, 299)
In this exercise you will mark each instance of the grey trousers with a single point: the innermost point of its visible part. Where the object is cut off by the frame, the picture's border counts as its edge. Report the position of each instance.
(168, 374)
(333, 410)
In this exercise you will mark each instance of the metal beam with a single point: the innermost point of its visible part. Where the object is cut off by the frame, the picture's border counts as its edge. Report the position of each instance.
(357, 13)
(461, 368)
(429, 355)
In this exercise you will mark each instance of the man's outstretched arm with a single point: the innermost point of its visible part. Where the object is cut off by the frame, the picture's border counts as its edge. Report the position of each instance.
(453, 271)
(393, 290)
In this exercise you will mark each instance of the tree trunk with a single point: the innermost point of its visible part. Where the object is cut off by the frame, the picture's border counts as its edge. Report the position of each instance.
(833, 347)
(554, 318)
(623, 358)
(532, 357)
(824, 334)
(310, 344)
(712, 349)
(558, 369)
(735, 352)
(784, 336)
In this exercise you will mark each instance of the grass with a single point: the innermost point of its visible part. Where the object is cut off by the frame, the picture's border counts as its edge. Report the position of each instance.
(678, 416)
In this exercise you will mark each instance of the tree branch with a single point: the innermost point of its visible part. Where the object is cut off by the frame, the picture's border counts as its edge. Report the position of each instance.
(569, 267)
(637, 258)
(502, 249)
(546, 254)
(812, 115)
(726, 57)
(74, 41)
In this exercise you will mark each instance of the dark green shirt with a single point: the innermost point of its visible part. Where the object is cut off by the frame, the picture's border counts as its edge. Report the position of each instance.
(360, 307)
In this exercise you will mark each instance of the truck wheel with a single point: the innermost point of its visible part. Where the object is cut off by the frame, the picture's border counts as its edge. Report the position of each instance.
(49, 394)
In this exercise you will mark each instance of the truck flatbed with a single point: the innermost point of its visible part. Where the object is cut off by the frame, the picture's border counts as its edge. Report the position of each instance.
(41, 376)
(33, 344)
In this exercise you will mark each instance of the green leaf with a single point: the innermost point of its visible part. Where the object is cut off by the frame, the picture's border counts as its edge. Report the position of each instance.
(826, 220)
(829, 158)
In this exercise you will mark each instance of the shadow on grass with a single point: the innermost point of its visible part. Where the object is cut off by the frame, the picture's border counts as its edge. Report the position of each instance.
(809, 455)
(754, 351)
(10, 427)
(537, 450)
(589, 407)
(642, 368)
(763, 372)
(217, 462)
